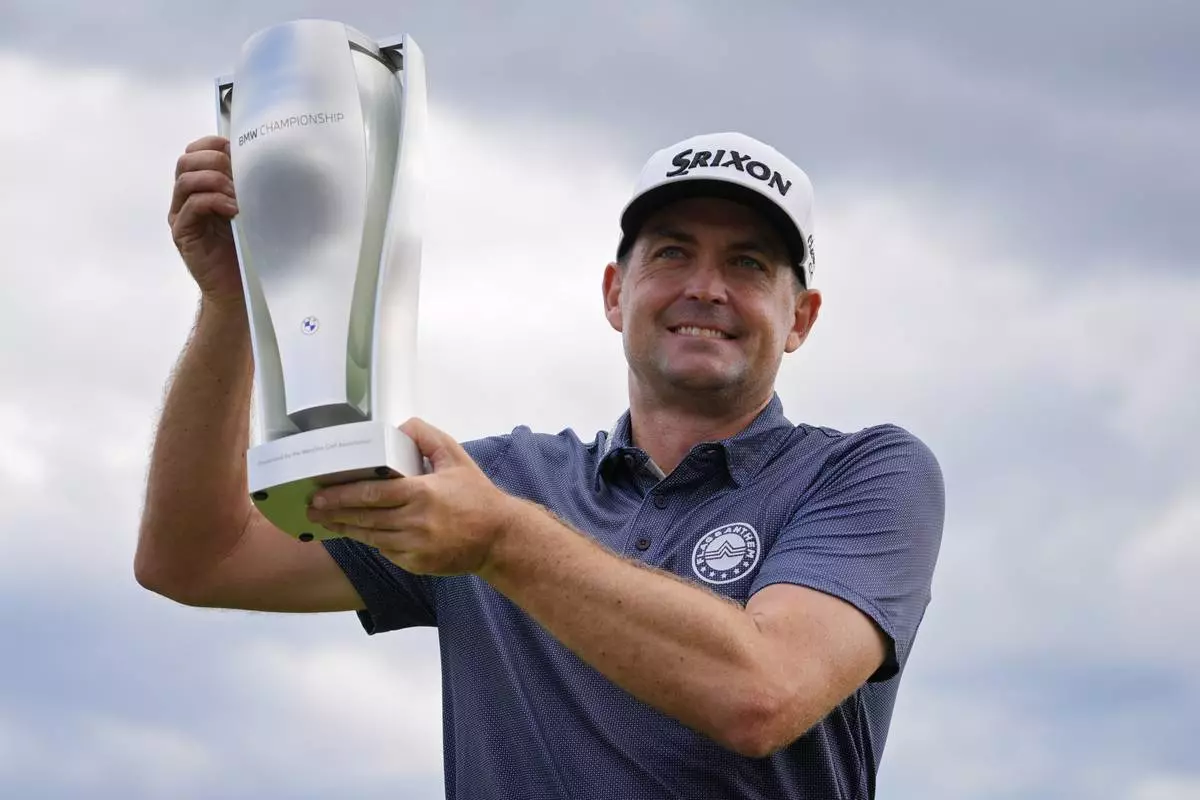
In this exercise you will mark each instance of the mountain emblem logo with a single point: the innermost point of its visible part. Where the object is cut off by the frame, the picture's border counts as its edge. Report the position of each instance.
(726, 553)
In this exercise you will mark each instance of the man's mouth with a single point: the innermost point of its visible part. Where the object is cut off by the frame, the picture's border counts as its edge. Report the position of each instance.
(697, 331)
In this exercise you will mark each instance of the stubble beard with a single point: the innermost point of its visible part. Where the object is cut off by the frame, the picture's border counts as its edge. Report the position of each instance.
(715, 390)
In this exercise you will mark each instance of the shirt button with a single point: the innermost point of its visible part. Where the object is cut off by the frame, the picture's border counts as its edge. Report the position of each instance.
(642, 544)
(660, 501)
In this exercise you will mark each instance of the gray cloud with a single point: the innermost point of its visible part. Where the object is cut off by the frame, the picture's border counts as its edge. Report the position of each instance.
(1073, 126)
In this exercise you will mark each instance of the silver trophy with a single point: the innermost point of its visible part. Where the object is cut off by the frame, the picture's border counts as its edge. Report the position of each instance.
(327, 139)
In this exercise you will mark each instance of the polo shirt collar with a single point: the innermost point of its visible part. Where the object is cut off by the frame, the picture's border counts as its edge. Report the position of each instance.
(745, 453)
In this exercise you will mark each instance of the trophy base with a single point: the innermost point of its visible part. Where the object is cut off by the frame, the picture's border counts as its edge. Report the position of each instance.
(284, 474)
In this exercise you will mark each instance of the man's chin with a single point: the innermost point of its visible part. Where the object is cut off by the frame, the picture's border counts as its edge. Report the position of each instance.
(708, 381)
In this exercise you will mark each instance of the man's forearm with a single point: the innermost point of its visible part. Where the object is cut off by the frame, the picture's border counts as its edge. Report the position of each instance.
(196, 505)
(689, 653)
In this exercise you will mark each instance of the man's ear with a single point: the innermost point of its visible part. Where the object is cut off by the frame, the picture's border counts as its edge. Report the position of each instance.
(614, 274)
(808, 306)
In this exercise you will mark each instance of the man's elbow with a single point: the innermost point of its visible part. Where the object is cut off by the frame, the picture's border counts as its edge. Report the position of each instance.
(151, 577)
(152, 580)
(765, 723)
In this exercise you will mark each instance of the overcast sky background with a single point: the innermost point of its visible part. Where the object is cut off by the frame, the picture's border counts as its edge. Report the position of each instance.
(1006, 216)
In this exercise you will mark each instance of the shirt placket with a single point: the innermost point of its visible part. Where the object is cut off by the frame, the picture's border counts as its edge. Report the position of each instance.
(663, 502)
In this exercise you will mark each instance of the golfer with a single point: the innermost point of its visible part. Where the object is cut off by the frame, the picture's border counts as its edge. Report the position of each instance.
(706, 600)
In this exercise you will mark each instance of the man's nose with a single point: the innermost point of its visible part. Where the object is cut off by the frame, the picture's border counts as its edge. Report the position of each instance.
(706, 281)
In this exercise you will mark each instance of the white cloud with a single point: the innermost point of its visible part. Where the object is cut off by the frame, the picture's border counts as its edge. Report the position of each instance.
(151, 759)
(1170, 547)
(15, 749)
(1167, 787)
(100, 751)
(941, 746)
(931, 306)
(1157, 571)
(22, 461)
(356, 711)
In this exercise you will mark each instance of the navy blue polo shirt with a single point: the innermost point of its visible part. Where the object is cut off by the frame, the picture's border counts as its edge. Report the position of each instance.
(857, 515)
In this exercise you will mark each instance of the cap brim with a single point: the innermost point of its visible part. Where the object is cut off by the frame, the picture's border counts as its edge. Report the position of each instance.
(646, 204)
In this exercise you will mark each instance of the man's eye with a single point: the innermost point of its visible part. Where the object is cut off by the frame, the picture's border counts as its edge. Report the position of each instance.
(670, 252)
(750, 263)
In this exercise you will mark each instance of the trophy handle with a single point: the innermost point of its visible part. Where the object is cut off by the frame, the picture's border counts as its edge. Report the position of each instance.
(394, 351)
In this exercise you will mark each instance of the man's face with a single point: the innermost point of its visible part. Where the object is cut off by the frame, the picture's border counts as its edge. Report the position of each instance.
(708, 301)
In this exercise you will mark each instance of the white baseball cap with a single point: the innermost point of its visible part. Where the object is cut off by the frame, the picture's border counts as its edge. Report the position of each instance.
(736, 167)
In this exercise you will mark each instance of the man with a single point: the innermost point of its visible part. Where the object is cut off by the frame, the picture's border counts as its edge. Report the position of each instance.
(706, 600)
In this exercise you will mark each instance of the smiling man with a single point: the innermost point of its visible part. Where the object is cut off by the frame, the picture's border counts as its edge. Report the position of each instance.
(706, 600)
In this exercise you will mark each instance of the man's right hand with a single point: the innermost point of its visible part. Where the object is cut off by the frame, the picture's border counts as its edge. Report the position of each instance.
(202, 206)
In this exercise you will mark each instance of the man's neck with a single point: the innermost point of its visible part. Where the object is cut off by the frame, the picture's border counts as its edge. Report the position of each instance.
(668, 432)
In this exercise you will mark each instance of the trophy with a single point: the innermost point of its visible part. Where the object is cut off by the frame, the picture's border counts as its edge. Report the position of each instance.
(327, 141)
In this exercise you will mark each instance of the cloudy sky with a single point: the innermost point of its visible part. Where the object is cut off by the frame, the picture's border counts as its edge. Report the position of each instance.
(1006, 222)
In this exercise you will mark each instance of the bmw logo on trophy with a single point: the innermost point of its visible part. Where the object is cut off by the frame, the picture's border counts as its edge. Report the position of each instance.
(327, 139)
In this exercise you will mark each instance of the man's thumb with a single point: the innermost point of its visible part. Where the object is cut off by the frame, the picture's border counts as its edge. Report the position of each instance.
(438, 446)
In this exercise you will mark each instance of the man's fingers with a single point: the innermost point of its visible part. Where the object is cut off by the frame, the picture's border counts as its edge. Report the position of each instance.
(393, 545)
(370, 519)
(208, 143)
(196, 161)
(390, 493)
(191, 183)
(206, 204)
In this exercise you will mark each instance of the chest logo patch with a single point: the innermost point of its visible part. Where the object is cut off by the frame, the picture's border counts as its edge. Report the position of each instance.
(726, 553)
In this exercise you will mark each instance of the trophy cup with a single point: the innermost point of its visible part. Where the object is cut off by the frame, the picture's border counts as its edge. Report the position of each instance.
(327, 140)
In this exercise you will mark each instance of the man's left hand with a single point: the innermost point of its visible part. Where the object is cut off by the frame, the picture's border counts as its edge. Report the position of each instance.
(441, 523)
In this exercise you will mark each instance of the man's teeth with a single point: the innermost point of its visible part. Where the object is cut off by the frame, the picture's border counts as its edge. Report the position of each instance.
(692, 330)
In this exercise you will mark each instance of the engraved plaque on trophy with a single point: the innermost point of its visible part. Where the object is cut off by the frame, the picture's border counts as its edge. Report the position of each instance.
(326, 130)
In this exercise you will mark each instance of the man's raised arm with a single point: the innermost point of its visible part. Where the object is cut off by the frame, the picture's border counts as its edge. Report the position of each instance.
(201, 541)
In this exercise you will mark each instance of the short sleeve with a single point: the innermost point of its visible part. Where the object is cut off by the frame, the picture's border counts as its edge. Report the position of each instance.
(395, 598)
(869, 533)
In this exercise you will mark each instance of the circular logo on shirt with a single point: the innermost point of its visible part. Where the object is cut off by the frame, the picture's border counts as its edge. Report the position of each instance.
(309, 325)
(727, 553)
